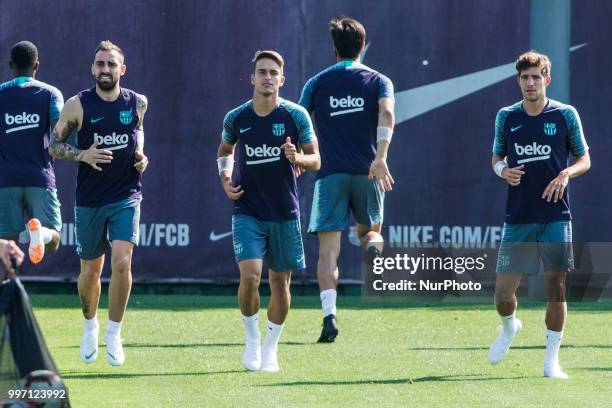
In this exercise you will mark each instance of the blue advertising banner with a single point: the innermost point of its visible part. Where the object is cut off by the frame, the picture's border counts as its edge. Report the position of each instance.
(192, 60)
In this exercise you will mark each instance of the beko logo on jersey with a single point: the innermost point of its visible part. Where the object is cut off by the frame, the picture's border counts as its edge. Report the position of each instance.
(353, 105)
(113, 140)
(541, 152)
(26, 120)
(264, 154)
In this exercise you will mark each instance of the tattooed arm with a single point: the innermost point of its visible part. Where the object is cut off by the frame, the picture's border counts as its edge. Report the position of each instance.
(141, 160)
(69, 122)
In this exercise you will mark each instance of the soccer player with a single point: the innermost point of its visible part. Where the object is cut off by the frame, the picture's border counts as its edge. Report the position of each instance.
(533, 140)
(8, 250)
(266, 215)
(109, 147)
(353, 107)
(29, 110)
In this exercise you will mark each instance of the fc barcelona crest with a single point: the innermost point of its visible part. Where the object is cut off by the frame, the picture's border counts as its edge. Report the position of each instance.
(550, 129)
(126, 117)
(278, 129)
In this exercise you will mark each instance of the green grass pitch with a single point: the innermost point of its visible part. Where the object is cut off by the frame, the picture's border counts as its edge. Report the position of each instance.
(185, 351)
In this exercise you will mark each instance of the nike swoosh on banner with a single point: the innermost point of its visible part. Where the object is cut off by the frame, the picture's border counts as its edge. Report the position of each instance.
(417, 101)
(217, 237)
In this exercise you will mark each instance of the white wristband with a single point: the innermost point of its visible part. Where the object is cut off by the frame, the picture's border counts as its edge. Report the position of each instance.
(499, 167)
(225, 163)
(384, 133)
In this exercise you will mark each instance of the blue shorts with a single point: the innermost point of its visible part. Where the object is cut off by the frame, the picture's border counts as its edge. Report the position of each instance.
(34, 202)
(279, 242)
(97, 227)
(337, 195)
(523, 245)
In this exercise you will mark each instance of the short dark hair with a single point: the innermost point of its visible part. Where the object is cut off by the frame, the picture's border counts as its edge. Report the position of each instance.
(273, 55)
(24, 55)
(532, 59)
(108, 45)
(348, 35)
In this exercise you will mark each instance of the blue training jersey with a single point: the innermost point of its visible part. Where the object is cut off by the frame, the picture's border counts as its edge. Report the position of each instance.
(113, 126)
(27, 108)
(263, 171)
(344, 99)
(542, 144)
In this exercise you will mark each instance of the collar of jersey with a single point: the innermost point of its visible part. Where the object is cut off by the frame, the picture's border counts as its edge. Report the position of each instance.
(280, 102)
(346, 63)
(522, 108)
(22, 80)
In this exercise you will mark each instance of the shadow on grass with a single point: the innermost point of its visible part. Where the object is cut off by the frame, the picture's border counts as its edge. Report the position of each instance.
(101, 376)
(594, 368)
(192, 345)
(539, 347)
(441, 378)
(203, 302)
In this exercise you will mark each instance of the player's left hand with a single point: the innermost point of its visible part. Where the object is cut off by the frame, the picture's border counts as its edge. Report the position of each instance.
(555, 189)
(141, 162)
(380, 171)
(291, 152)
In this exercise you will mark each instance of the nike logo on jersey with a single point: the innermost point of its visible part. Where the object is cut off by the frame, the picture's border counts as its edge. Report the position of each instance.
(245, 129)
(512, 129)
(92, 120)
(217, 237)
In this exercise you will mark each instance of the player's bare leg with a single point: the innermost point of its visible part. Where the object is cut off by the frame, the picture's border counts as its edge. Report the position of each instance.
(327, 275)
(280, 301)
(248, 299)
(118, 295)
(505, 301)
(121, 279)
(556, 313)
(89, 292)
(372, 243)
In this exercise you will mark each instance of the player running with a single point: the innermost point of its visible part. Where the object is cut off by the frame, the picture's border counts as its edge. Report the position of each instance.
(266, 215)
(533, 140)
(353, 107)
(29, 110)
(110, 143)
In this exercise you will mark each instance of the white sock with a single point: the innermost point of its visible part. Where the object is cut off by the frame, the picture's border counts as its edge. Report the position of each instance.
(251, 325)
(509, 323)
(113, 328)
(272, 335)
(46, 234)
(328, 301)
(553, 343)
(90, 324)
